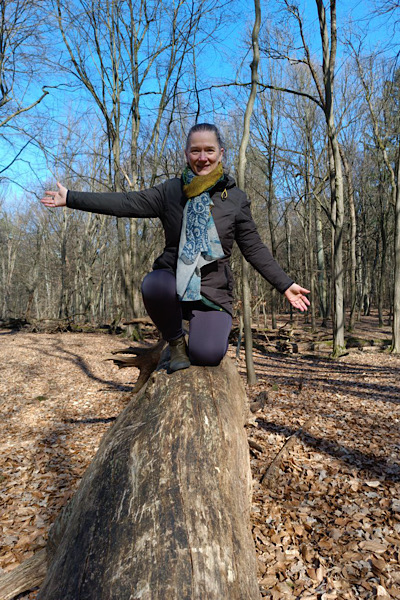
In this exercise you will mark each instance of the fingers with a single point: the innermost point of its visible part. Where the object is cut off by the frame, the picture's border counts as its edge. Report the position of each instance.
(53, 198)
(300, 305)
(296, 297)
(303, 301)
(49, 199)
(297, 289)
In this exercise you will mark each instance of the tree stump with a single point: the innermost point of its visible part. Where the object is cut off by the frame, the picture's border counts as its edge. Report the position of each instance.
(163, 511)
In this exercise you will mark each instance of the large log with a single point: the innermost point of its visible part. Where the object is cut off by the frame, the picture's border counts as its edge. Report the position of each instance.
(163, 511)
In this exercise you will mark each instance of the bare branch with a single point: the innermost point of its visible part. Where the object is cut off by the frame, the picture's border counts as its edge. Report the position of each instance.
(25, 109)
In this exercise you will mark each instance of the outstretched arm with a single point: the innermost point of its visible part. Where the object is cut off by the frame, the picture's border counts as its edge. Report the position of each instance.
(296, 296)
(146, 203)
(52, 199)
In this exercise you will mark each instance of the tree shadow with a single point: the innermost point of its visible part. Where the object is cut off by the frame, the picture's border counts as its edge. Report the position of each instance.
(350, 381)
(372, 465)
(62, 464)
(80, 362)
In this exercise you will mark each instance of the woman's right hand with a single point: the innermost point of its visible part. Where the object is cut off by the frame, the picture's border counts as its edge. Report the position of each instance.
(54, 199)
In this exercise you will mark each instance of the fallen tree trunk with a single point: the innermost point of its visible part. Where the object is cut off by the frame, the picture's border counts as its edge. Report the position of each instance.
(163, 511)
(26, 576)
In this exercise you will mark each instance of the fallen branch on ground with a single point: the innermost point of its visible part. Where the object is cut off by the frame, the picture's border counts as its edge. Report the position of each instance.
(271, 473)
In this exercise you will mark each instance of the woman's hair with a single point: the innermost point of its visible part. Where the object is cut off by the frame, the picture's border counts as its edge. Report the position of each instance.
(205, 127)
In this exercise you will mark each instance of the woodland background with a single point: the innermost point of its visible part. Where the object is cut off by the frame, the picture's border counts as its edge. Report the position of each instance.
(99, 95)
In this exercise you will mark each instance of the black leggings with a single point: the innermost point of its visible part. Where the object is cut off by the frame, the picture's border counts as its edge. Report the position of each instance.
(208, 329)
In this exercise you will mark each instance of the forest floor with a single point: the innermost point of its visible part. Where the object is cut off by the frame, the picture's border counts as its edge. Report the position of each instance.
(326, 445)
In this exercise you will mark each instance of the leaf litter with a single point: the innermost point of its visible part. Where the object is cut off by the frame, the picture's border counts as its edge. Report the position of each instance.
(325, 457)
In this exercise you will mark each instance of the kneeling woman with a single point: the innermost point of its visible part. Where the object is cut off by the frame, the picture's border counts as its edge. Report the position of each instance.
(202, 214)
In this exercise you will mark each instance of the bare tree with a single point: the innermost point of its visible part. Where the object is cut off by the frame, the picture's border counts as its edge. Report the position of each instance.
(132, 58)
(392, 165)
(325, 99)
(20, 29)
(10, 236)
(267, 124)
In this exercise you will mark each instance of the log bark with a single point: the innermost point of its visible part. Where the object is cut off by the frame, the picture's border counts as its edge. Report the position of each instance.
(163, 511)
(26, 576)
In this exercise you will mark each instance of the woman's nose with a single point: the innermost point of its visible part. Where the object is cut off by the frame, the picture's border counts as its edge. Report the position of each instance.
(202, 155)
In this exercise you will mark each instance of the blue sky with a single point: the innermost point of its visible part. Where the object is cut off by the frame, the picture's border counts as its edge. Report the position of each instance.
(220, 63)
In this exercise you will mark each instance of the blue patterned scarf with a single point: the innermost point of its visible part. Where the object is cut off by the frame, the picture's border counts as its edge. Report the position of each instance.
(199, 244)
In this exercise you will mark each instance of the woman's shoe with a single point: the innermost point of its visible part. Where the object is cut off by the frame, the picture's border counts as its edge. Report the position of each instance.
(179, 358)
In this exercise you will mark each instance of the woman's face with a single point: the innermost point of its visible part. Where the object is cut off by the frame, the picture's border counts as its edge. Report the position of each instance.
(203, 153)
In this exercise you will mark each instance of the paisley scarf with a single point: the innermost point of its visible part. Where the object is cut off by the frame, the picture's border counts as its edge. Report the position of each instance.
(199, 243)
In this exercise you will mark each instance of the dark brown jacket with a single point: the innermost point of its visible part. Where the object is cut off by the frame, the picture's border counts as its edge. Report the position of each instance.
(232, 218)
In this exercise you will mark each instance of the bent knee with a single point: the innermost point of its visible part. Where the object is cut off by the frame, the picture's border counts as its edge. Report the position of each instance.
(206, 357)
(158, 283)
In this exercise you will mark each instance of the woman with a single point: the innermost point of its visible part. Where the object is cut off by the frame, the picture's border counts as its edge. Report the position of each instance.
(202, 213)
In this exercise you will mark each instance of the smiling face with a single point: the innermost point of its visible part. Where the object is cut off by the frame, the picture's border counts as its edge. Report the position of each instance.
(203, 153)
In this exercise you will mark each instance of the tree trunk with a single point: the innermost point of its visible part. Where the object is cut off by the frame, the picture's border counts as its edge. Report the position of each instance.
(247, 318)
(329, 45)
(311, 276)
(288, 232)
(270, 203)
(251, 373)
(163, 511)
(382, 271)
(337, 256)
(321, 271)
(396, 290)
(273, 244)
(353, 238)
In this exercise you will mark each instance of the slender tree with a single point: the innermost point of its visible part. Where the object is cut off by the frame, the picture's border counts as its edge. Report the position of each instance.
(251, 375)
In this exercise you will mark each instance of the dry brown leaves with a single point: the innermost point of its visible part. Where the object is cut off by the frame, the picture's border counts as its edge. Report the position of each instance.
(58, 399)
(326, 526)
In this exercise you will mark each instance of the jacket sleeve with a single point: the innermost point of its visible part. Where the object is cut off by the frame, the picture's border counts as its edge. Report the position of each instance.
(256, 252)
(147, 203)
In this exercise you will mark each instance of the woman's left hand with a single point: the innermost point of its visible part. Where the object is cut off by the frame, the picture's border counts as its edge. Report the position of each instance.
(296, 297)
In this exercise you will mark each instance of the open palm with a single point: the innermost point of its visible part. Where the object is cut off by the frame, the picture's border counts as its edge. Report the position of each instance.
(296, 296)
(52, 199)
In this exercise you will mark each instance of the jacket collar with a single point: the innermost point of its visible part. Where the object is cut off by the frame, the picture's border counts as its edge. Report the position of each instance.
(226, 183)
